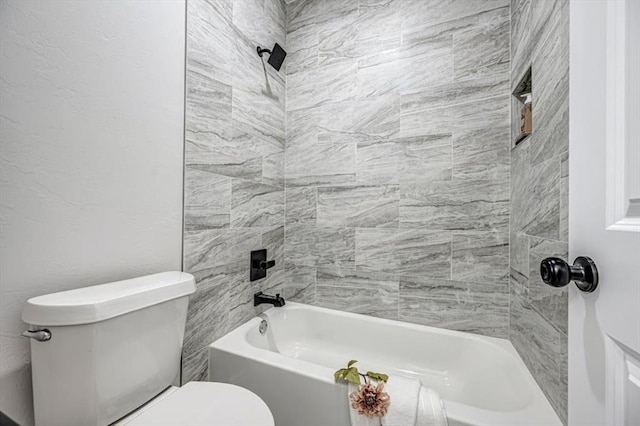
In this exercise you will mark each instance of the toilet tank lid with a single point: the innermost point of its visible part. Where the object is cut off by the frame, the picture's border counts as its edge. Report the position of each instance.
(100, 302)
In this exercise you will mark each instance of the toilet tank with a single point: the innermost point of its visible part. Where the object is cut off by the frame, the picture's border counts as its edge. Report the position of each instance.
(113, 347)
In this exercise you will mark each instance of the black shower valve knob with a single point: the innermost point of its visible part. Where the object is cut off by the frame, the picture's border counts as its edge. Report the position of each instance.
(266, 264)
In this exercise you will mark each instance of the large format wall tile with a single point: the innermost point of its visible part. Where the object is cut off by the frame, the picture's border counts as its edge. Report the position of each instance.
(361, 292)
(310, 245)
(483, 48)
(232, 153)
(321, 164)
(466, 105)
(360, 206)
(259, 116)
(207, 200)
(302, 128)
(208, 106)
(335, 82)
(481, 154)
(405, 160)
(210, 248)
(430, 288)
(425, 13)
(561, 402)
(470, 316)
(301, 205)
(378, 116)
(535, 195)
(338, 39)
(254, 204)
(427, 158)
(302, 49)
(455, 205)
(377, 162)
(375, 302)
(273, 165)
(246, 13)
(480, 257)
(519, 264)
(372, 37)
(412, 67)
(539, 345)
(196, 367)
(404, 252)
(520, 38)
(208, 316)
(476, 91)
(300, 283)
(210, 40)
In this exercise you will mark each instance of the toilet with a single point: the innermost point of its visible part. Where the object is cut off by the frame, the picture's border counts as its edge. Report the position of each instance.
(111, 354)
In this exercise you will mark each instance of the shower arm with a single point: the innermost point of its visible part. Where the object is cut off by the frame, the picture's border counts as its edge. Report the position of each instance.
(261, 51)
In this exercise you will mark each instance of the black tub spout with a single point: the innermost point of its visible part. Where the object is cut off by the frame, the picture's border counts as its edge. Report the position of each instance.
(259, 298)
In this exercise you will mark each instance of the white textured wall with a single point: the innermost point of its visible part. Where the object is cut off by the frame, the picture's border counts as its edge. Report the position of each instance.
(91, 131)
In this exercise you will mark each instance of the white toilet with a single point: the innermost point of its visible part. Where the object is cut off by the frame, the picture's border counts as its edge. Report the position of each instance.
(111, 353)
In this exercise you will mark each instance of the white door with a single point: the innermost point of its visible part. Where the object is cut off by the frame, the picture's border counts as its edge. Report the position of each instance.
(604, 211)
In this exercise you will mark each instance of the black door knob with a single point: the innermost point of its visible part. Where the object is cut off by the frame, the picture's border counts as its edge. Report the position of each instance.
(558, 273)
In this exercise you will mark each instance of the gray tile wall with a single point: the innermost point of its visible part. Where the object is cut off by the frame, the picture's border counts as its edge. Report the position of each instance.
(539, 194)
(397, 160)
(395, 200)
(234, 165)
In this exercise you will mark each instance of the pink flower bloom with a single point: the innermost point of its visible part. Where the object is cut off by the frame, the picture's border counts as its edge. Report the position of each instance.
(370, 400)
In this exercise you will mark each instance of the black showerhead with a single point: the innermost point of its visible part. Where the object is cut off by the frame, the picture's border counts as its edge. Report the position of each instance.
(276, 55)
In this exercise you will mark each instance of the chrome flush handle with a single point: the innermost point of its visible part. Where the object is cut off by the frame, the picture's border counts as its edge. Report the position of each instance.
(39, 335)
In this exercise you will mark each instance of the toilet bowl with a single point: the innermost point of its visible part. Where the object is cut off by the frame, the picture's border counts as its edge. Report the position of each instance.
(202, 404)
(112, 353)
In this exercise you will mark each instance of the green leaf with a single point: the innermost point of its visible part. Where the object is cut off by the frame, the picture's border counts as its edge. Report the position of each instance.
(352, 376)
(378, 376)
(353, 361)
(339, 373)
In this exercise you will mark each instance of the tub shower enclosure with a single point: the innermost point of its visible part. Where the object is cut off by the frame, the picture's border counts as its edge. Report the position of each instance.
(379, 167)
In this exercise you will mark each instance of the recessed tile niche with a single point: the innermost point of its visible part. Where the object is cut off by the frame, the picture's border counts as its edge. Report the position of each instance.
(521, 109)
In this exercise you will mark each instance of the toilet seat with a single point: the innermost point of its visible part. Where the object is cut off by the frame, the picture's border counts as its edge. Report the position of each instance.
(203, 404)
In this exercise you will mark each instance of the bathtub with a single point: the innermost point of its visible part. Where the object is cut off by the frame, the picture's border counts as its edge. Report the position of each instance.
(481, 380)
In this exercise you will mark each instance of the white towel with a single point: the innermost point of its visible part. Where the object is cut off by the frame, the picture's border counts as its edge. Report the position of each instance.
(356, 418)
(405, 396)
(431, 411)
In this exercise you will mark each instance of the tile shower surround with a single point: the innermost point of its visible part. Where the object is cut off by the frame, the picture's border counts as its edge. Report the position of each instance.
(234, 165)
(397, 160)
(539, 194)
(395, 198)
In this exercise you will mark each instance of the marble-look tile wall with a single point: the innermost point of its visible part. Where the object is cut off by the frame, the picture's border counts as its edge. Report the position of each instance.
(397, 160)
(539, 194)
(234, 165)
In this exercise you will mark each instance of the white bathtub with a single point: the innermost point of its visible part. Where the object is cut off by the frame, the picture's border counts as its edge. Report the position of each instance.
(482, 380)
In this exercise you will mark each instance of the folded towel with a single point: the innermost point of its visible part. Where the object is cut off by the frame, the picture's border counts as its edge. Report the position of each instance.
(405, 396)
(356, 418)
(431, 411)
